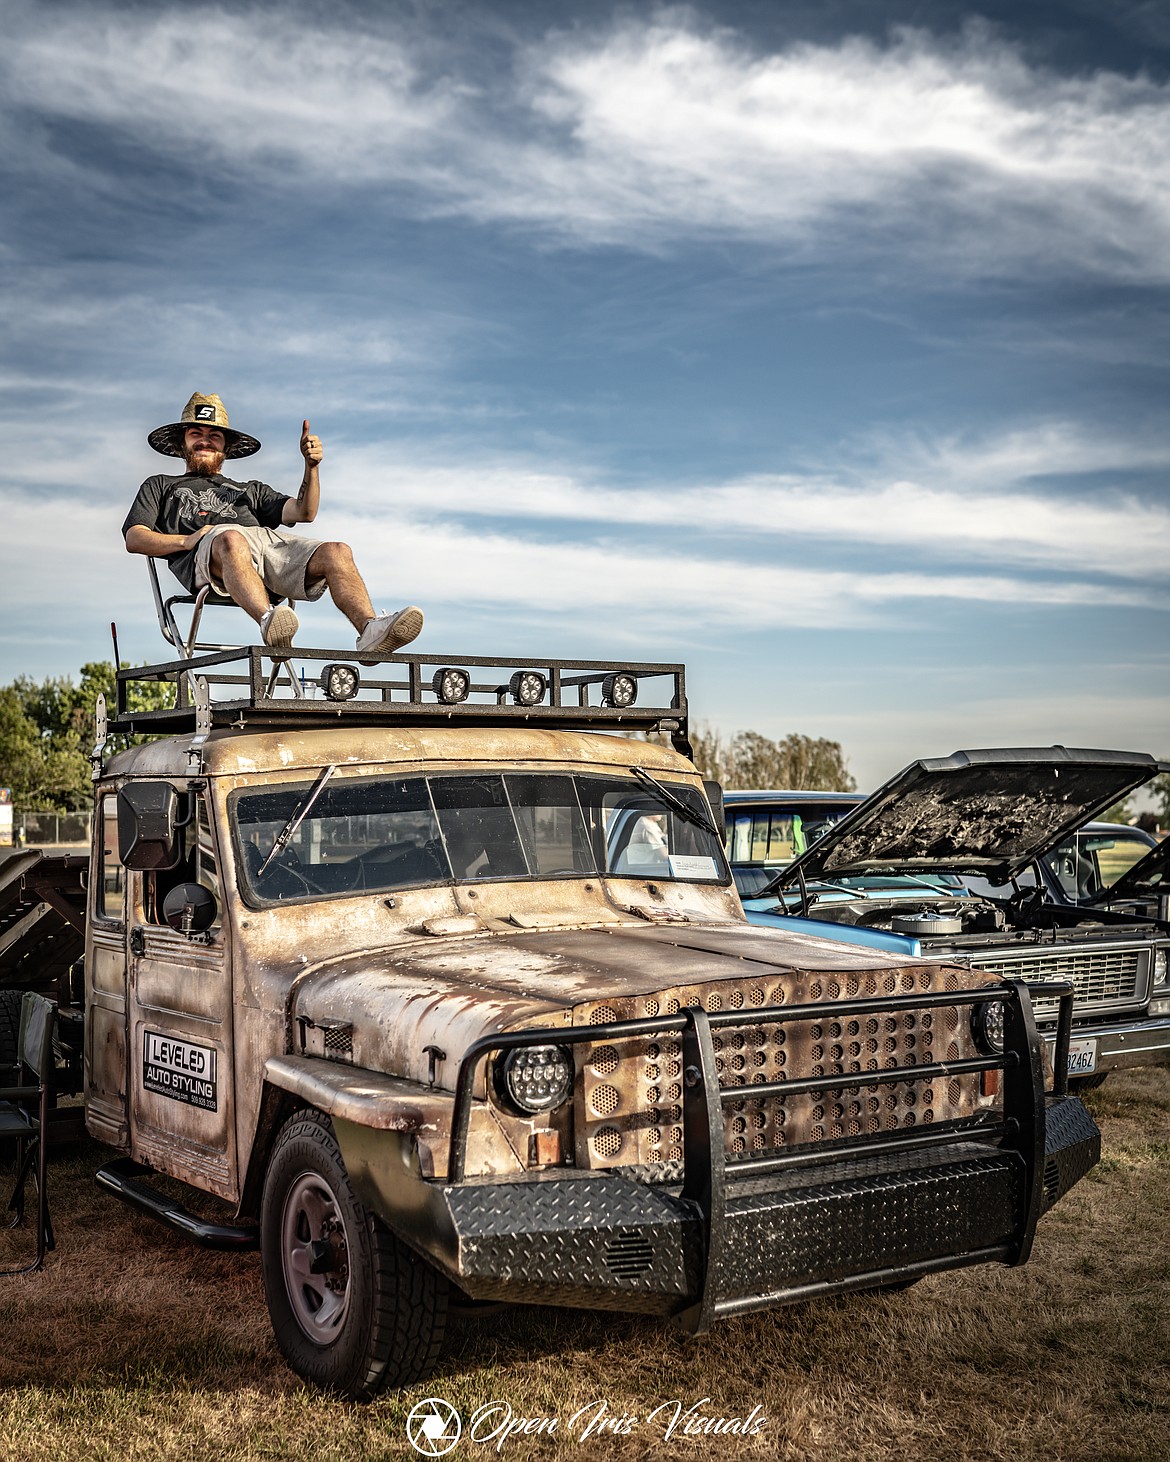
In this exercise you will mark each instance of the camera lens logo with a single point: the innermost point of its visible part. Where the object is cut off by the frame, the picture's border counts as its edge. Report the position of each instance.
(433, 1427)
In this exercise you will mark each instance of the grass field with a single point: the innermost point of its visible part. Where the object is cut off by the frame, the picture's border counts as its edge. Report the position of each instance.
(133, 1344)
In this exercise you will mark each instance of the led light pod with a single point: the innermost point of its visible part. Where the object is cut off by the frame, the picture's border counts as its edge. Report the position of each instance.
(527, 687)
(340, 682)
(451, 685)
(619, 691)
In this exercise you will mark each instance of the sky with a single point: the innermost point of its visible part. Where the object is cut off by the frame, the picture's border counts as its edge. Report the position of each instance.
(821, 346)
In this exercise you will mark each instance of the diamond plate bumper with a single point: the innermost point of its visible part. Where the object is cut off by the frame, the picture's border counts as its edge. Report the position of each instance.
(608, 1241)
(811, 1220)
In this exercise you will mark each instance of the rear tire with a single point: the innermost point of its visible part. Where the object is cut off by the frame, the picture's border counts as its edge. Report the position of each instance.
(1088, 1083)
(353, 1309)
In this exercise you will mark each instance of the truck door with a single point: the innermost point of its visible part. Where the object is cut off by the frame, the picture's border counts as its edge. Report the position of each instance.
(105, 984)
(180, 1026)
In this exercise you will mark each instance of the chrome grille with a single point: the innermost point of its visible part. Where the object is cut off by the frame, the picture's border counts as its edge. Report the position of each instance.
(1102, 979)
(630, 1101)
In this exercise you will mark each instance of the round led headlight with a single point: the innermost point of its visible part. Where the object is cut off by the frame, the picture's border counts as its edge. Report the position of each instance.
(450, 685)
(527, 687)
(537, 1078)
(987, 1026)
(619, 691)
(340, 682)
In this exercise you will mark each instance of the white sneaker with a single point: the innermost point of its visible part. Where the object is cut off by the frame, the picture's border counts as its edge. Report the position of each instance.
(278, 626)
(391, 631)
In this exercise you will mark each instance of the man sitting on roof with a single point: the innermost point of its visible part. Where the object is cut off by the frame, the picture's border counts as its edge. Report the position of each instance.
(232, 535)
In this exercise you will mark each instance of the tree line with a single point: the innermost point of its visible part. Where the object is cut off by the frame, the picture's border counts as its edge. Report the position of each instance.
(47, 733)
(749, 760)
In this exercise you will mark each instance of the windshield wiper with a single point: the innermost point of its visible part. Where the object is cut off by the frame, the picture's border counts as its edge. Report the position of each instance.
(676, 804)
(300, 812)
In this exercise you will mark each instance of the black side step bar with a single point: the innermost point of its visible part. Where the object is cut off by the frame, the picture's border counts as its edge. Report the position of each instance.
(123, 1178)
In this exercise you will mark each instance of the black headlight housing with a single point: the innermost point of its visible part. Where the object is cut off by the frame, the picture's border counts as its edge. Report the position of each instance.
(988, 1019)
(533, 1079)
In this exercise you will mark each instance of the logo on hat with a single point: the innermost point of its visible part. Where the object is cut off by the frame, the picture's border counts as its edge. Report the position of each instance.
(205, 413)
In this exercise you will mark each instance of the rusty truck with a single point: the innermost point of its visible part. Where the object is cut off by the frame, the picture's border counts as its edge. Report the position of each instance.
(431, 972)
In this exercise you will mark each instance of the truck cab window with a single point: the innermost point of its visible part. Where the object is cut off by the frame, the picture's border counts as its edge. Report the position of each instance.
(111, 888)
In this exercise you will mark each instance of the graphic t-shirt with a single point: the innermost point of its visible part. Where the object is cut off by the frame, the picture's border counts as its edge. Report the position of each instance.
(186, 504)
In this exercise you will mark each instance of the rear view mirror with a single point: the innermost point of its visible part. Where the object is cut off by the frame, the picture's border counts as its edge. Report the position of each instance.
(715, 797)
(190, 908)
(148, 825)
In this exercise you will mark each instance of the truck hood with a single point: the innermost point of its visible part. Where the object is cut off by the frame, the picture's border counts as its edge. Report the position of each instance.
(989, 812)
(447, 993)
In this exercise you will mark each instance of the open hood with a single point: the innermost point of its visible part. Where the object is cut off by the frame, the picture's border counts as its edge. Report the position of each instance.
(985, 812)
(1148, 878)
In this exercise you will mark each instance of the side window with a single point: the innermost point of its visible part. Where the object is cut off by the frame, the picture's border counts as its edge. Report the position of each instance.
(111, 887)
(206, 863)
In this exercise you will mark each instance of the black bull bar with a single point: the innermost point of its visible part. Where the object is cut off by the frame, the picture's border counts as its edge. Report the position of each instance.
(710, 1176)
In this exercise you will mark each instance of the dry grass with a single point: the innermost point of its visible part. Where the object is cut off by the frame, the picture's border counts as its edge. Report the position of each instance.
(135, 1345)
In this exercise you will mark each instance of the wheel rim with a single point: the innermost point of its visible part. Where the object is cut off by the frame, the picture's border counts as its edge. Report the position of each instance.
(315, 1258)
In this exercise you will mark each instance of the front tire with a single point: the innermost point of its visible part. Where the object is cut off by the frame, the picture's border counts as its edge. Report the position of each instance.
(353, 1309)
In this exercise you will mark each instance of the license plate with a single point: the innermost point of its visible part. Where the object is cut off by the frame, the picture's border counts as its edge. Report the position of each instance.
(1082, 1057)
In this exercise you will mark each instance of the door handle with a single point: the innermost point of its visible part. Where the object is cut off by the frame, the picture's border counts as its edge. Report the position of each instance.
(137, 940)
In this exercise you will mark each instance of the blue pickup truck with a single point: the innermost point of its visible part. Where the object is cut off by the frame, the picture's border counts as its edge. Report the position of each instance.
(961, 857)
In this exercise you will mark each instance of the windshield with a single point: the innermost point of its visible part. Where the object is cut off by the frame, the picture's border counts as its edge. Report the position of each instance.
(773, 836)
(381, 833)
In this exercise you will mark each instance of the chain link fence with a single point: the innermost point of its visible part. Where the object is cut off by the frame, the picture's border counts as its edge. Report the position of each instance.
(51, 829)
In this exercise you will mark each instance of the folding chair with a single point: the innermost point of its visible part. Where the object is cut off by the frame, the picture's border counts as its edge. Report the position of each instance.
(189, 644)
(24, 1112)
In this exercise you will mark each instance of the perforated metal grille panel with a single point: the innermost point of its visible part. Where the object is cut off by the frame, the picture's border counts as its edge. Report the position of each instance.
(1102, 979)
(630, 1102)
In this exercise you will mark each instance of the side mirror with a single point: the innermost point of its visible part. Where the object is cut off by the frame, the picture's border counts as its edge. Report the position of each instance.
(715, 797)
(190, 908)
(148, 825)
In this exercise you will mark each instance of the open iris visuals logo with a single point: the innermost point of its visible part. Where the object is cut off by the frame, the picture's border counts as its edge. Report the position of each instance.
(433, 1427)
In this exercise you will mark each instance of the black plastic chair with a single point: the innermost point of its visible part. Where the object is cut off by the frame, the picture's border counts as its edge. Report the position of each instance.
(24, 1113)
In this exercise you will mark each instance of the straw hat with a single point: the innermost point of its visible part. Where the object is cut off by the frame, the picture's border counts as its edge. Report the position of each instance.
(202, 411)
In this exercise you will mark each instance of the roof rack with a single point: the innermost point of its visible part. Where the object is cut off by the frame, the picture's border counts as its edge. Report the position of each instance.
(259, 688)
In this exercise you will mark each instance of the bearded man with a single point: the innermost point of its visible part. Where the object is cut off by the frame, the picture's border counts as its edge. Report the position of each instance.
(232, 535)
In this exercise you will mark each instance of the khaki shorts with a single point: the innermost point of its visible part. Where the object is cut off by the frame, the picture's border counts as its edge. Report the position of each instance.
(280, 558)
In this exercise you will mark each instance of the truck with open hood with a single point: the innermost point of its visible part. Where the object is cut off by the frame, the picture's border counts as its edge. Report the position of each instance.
(951, 859)
(437, 981)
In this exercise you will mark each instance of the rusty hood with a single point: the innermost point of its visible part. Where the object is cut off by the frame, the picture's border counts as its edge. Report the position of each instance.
(446, 993)
(989, 812)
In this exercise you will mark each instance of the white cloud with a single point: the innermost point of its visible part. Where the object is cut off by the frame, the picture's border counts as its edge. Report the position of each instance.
(645, 131)
(969, 509)
(624, 588)
(969, 505)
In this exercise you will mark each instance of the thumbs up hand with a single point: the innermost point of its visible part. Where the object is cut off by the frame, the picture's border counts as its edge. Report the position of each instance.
(311, 448)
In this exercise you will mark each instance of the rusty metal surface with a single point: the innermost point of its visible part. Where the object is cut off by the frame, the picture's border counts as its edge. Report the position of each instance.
(227, 753)
(631, 1091)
